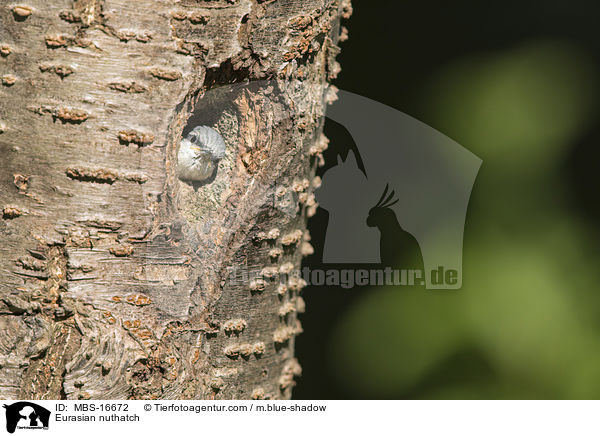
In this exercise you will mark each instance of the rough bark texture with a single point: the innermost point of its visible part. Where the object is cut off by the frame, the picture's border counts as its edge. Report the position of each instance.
(114, 276)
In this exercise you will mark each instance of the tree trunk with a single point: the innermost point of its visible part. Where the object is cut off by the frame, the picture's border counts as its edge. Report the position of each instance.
(115, 276)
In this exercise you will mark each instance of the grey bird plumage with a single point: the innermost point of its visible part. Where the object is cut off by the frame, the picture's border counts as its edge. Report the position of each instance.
(199, 154)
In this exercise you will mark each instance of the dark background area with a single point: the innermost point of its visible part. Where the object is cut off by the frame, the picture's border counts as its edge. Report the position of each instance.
(395, 51)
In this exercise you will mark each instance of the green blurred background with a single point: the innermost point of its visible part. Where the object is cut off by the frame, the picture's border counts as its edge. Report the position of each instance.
(515, 82)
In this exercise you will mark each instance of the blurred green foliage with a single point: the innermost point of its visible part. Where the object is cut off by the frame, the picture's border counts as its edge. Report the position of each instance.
(529, 311)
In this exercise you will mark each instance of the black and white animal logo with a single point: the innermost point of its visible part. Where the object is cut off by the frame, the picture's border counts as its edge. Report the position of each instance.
(26, 415)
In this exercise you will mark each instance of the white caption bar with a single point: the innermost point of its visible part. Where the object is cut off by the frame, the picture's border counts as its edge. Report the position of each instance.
(299, 417)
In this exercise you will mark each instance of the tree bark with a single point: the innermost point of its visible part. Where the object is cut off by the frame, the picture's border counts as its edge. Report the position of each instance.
(114, 275)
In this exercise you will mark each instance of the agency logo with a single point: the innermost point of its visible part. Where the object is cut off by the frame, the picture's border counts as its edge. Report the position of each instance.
(426, 179)
(26, 416)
